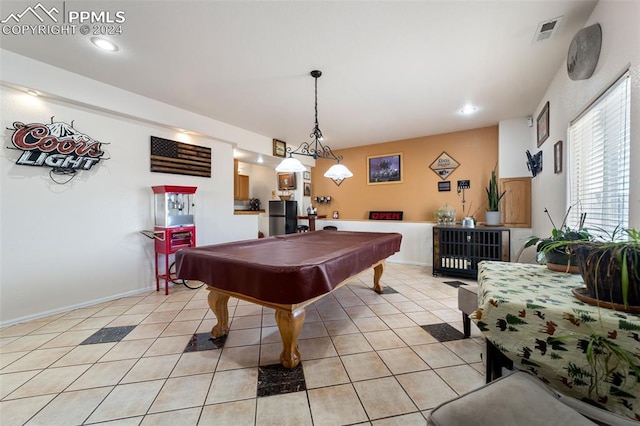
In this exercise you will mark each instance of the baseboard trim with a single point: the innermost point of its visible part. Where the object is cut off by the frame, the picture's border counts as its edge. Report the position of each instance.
(408, 262)
(76, 306)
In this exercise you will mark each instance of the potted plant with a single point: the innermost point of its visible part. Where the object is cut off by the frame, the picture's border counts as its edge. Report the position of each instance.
(557, 256)
(611, 270)
(492, 215)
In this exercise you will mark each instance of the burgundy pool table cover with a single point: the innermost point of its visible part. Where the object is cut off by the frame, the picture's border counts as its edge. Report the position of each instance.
(286, 269)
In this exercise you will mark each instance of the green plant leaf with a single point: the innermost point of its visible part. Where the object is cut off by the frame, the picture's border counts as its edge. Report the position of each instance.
(624, 277)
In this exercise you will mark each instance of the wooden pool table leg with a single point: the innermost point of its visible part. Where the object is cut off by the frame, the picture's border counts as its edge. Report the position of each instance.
(290, 325)
(377, 274)
(218, 304)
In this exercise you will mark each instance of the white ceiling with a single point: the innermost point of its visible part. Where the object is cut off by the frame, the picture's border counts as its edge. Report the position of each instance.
(391, 69)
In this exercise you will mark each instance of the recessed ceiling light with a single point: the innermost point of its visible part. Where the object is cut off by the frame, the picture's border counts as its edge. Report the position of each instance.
(33, 92)
(104, 44)
(469, 109)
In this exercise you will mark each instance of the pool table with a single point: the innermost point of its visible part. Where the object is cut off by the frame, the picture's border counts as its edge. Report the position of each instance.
(286, 273)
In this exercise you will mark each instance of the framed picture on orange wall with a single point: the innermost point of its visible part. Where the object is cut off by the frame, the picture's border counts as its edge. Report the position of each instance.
(382, 169)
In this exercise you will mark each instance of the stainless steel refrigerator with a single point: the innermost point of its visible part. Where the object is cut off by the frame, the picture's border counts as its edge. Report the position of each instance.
(283, 217)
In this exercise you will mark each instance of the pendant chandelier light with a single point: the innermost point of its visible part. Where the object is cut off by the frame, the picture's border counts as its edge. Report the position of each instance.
(338, 172)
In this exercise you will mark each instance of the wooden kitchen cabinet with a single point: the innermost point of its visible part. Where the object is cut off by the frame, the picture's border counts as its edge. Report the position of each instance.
(240, 184)
(516, 203)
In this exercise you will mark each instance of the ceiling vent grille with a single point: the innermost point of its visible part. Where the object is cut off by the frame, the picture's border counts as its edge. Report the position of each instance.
(546, 29)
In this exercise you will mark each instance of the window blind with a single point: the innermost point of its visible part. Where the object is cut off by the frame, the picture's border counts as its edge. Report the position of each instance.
(598, 161)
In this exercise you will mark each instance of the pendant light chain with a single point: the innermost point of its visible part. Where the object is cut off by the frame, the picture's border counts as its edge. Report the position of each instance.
(315, 149)
(317, 133)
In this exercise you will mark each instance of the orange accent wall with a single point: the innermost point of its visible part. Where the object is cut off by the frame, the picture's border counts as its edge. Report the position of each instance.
(475, 150)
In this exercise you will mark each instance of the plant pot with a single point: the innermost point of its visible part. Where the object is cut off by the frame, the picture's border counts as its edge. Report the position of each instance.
(602, 274)
(558, 260)
(563, 267)
(492, 218)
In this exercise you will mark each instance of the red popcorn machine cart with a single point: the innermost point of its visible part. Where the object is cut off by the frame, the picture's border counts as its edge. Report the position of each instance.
(174, 225)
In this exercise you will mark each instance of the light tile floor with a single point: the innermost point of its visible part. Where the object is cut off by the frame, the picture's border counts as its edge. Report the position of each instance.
(366, 360)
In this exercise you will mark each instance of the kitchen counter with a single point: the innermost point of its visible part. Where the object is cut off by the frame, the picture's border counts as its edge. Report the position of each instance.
(248, 211)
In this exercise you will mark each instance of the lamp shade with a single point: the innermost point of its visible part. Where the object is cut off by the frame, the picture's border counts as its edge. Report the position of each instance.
(291, 165)
(338, 171)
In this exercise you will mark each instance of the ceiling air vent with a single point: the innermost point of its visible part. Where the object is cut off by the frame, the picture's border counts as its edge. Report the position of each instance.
(547, 29)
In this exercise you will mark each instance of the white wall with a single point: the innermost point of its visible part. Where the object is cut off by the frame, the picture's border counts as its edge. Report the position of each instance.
(417, 237)
(262, 186)
(65, 246)
(514, 137)
(620, 22)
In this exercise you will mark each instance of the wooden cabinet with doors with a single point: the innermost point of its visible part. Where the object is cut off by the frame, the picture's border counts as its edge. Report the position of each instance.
(240, 184)
(516, 203)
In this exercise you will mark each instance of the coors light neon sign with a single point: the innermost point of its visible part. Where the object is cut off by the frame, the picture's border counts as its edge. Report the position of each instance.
(57, 145)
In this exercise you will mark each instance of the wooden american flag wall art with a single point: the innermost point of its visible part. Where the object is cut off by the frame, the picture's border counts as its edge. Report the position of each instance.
(179, 158)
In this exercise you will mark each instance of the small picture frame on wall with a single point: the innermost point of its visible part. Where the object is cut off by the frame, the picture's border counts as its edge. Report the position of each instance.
(286, 181)
(307, 189)
(383, 169)
(306, 175)
(557, 157)
(542, 124)
(444, 186)
(279, 148)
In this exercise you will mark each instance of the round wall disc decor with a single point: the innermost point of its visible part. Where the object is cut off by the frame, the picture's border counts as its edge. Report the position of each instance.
(584, 52)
